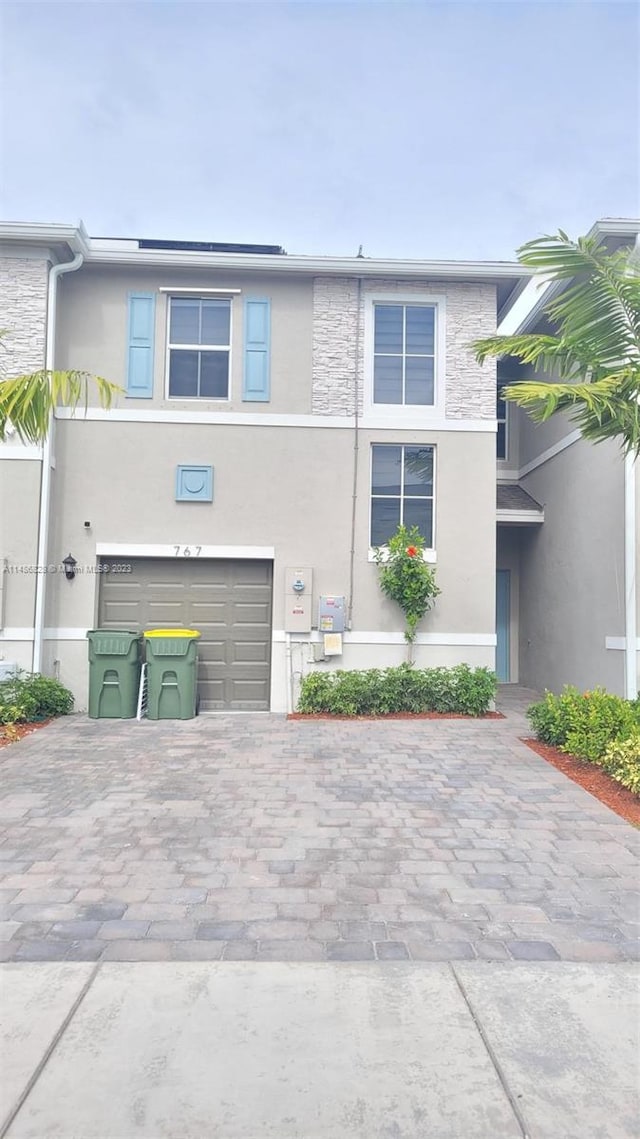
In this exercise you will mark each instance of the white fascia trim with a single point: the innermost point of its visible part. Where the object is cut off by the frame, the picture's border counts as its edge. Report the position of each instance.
(15, 451)
(194, 291)
(462, 640)
(102, 251)
(550, 453)
(247, 419)
(515, 516)
(177, 550)
(619, 643)
(427, 555)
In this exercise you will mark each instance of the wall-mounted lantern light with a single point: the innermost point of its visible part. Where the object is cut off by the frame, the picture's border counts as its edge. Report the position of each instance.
(69, 564)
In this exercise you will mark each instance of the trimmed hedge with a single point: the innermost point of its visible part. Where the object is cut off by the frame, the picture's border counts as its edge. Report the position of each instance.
(596, 726)
(30, 697)
(621, 761)
(375, 692)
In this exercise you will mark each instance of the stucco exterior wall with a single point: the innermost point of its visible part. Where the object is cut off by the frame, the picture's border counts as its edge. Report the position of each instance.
(279, 487)
(572, 572)
(92, 333)
(339, 326)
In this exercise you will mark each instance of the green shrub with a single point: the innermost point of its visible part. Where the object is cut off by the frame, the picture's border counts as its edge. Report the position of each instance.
(621, 761)
(583, 723)
(403, 689)
(405, 577)
(30, 697)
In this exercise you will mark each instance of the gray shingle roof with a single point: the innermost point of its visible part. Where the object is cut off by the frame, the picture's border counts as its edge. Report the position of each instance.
(510, 496)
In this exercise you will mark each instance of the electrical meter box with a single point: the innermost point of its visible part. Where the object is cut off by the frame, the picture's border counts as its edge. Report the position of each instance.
(298, 593)
(331, 615)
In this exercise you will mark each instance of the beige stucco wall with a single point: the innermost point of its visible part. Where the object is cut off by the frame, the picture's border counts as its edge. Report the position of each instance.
(572, 571)
(288, 488)
(92, 332)
(317, 330)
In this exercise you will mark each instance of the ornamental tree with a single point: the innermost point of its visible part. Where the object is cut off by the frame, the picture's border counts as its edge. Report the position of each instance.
(406, 578)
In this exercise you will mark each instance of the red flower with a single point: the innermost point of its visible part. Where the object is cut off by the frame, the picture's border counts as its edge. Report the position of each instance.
(412, 551)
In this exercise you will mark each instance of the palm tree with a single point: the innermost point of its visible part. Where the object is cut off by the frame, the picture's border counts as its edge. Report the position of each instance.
(27, 402)
(595, 352)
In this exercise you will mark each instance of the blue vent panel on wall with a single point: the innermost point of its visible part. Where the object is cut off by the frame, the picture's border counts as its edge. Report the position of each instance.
(194, 484)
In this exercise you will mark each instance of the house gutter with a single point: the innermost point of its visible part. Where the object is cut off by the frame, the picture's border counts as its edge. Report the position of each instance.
(630, 583)
(47, 456)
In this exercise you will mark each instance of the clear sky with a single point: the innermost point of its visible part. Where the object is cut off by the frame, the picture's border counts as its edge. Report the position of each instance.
(456, 129)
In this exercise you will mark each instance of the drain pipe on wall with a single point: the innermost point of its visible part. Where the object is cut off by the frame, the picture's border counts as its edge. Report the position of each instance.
(630, 580)
(47, 455)
(356, 453)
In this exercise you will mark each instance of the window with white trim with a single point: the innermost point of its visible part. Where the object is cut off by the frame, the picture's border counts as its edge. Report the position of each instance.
(404, 353)
(501, 416)
(199, 348)
(401, 491)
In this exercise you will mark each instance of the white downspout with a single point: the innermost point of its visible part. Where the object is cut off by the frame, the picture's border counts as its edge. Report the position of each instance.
(630, 585)
(45, 482)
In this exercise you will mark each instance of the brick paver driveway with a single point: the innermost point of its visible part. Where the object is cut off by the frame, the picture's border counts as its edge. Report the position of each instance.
(254, 837)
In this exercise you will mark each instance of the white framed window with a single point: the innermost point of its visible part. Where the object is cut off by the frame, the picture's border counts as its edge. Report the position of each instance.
(402, 491)
(198, 348)
(501, 416)
(404, 353)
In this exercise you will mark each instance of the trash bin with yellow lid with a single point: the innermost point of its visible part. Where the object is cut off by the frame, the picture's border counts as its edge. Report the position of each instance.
(172, 673)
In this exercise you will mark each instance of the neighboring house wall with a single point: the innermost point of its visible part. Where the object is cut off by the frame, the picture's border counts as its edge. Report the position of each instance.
(572, 568)
(509, 544)
(23, 312)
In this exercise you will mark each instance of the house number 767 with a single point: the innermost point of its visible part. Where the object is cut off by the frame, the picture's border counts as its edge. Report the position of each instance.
(187, 551)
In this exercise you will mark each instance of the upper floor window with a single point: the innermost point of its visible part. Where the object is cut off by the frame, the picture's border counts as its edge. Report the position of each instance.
(501, 415)
(401, 491)
(404, 338)
(199, 348)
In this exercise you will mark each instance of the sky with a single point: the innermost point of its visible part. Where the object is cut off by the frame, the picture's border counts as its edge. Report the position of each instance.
(428, 130)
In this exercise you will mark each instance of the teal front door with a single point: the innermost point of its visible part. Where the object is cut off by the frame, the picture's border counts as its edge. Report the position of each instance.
(503, 621)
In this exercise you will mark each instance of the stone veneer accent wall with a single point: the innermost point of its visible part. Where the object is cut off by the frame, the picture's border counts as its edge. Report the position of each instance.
(23, 314)
(470, 314)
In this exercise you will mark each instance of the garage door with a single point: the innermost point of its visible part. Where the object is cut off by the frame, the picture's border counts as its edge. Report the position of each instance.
(229, 602)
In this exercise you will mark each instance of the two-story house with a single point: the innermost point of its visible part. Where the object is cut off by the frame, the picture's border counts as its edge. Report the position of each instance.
(280, 416)
(568, 535)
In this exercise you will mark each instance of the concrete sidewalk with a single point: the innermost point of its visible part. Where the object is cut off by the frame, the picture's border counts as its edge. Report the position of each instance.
(239, 1050)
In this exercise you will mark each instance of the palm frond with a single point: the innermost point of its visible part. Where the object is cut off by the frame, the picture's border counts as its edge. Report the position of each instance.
(538, 350)
(28, 401)
(603, 409)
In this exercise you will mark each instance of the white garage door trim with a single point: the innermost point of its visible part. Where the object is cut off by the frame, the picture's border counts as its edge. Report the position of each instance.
(177, 550)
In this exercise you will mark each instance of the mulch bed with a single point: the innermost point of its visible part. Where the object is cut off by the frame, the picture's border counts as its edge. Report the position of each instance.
(396, 716)
(593, 779)
(22, 730)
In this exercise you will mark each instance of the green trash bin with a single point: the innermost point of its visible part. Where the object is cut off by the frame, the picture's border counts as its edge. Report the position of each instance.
(114, 673)
(172, 673)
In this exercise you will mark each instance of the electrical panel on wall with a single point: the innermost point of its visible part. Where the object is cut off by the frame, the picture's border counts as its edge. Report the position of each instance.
(331, 614)
(298, 595)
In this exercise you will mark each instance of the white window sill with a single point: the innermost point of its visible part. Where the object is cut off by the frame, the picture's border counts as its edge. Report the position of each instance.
(427, 555)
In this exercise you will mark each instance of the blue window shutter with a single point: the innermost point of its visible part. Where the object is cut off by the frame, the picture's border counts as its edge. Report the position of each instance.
(257, 347)
(142, 319)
